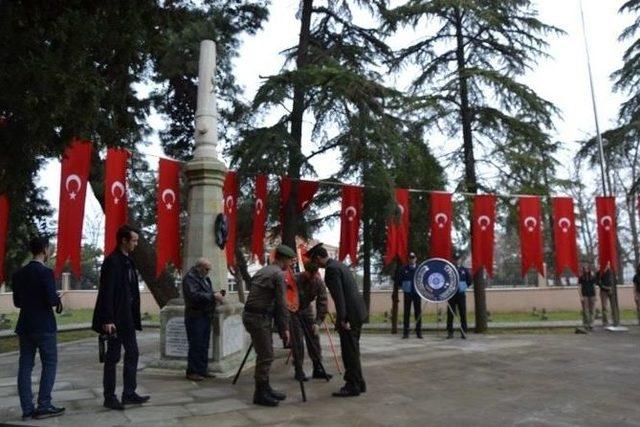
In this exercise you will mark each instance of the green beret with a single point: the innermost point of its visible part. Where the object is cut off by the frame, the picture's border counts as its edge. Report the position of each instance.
(286, 251)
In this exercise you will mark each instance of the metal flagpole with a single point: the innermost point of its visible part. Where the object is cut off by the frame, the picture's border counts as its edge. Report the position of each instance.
(604, 171)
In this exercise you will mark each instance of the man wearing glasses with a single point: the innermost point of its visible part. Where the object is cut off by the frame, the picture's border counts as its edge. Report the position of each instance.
(199, 308)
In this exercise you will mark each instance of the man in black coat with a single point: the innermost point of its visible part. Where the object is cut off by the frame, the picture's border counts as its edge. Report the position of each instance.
(117, 314)
(350, 314)
(34, 293)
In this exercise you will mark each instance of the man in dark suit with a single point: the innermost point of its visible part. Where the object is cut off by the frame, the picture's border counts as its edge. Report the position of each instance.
(34, 293)
(117, 314)
(459, 300)
(350, 314)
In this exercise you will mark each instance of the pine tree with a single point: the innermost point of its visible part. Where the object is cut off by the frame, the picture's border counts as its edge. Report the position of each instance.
(469, 59)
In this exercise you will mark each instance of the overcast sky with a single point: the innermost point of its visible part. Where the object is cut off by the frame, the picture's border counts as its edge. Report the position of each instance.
(562, 80)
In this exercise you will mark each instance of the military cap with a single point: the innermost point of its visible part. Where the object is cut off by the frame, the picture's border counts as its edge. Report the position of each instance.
(317, 250)
(285, 251)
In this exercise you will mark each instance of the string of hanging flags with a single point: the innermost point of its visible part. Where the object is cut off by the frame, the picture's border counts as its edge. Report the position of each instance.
(75, 175)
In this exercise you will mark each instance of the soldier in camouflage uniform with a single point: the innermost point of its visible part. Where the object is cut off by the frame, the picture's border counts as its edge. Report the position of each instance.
(265, 303)
(311, 288)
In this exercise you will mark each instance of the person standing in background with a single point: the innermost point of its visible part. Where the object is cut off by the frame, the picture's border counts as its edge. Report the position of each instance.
(605, 283)
(459, 300)
(636, 291)
(587, 291)
(411, 297)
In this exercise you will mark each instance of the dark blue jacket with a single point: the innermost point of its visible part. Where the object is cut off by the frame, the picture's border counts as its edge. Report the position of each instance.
(465, 276)
(34, 293)
(407, 274)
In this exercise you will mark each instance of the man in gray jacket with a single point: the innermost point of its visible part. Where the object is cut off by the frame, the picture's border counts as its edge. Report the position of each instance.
(199, 307)
(350, 314)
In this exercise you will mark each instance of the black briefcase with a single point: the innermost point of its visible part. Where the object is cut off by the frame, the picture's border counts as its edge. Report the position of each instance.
(102, 345)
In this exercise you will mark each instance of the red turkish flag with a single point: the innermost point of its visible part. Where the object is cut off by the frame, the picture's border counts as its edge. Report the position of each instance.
(168, 211)
(306, 191)
(484, 216)
(398, 229)
(74, 176)
(230, 194)
(259, 218)
(4, 230)
(564, 235)
(350, 222)
(115, 195)
(607, 249)
(530, 234)
(441, 216)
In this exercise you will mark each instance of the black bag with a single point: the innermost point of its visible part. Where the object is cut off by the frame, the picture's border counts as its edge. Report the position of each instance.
(102, 345)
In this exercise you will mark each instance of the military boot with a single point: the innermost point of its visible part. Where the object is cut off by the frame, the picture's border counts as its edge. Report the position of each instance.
(262, 396)
(276, 394)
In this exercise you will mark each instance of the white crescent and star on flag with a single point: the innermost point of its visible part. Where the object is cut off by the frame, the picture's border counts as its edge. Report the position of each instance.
(172, 196)
(73, 193)
(117, 187)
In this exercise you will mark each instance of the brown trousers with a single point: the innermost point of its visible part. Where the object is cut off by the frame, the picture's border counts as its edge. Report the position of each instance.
(259, 327)
(588, 305)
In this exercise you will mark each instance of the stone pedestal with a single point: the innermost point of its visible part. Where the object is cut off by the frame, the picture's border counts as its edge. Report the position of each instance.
(229, 340)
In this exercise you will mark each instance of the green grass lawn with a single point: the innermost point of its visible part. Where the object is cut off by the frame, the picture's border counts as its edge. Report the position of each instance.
(69, 317)
(11, 344)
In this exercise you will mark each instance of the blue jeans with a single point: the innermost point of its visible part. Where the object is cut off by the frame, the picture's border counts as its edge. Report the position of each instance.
(198, 335)
(46, 344)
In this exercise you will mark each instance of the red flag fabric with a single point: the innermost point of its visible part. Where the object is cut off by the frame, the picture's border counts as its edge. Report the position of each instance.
(531, 234)
(484, 216)
(230, 194)
(259, 218)
(74, 176)
(306, 191)
(398, 229)
(115, 195)
(441, 216)
(564, 235)
(606, 215)
(350, 222)
(4, 229)
(168, 211)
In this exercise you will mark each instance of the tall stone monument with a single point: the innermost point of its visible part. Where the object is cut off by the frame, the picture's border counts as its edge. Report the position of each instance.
(205, 174)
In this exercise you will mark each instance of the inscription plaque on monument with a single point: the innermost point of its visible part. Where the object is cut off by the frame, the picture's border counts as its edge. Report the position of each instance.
(176, 344)
(233, 339)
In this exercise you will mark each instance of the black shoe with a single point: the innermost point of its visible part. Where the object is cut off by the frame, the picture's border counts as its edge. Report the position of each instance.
(405, 336)
(262, 397)
(134, 399)
(363, 387)
(27, 416)
(275, 393)
(463, 335)
(113, 403)
(449, 335)
(419, 335)
(49, 412)
(321, 374)
(301, 376)
(346, 391)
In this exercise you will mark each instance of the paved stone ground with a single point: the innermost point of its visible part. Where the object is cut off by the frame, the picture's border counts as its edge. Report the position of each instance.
(491, 380)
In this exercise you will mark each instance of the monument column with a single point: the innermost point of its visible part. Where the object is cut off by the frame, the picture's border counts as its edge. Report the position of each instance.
(205, 174)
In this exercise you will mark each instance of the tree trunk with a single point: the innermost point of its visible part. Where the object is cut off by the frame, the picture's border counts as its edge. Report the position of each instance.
(241, 274)
(366, 265)
(162, 288)
(395, 299)
(471, 183)
(291, 220)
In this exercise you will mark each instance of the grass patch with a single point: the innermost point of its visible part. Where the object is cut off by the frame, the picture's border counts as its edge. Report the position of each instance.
(12, 343)
(69, 317)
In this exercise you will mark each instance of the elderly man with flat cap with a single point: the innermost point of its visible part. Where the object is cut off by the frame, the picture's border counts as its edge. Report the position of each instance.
(350, 312)
(266, 302)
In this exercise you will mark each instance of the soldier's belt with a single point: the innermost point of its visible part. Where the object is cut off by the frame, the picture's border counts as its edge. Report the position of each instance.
(254, 310)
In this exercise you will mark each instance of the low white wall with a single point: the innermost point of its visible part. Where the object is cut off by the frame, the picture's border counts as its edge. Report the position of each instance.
(499, 300)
